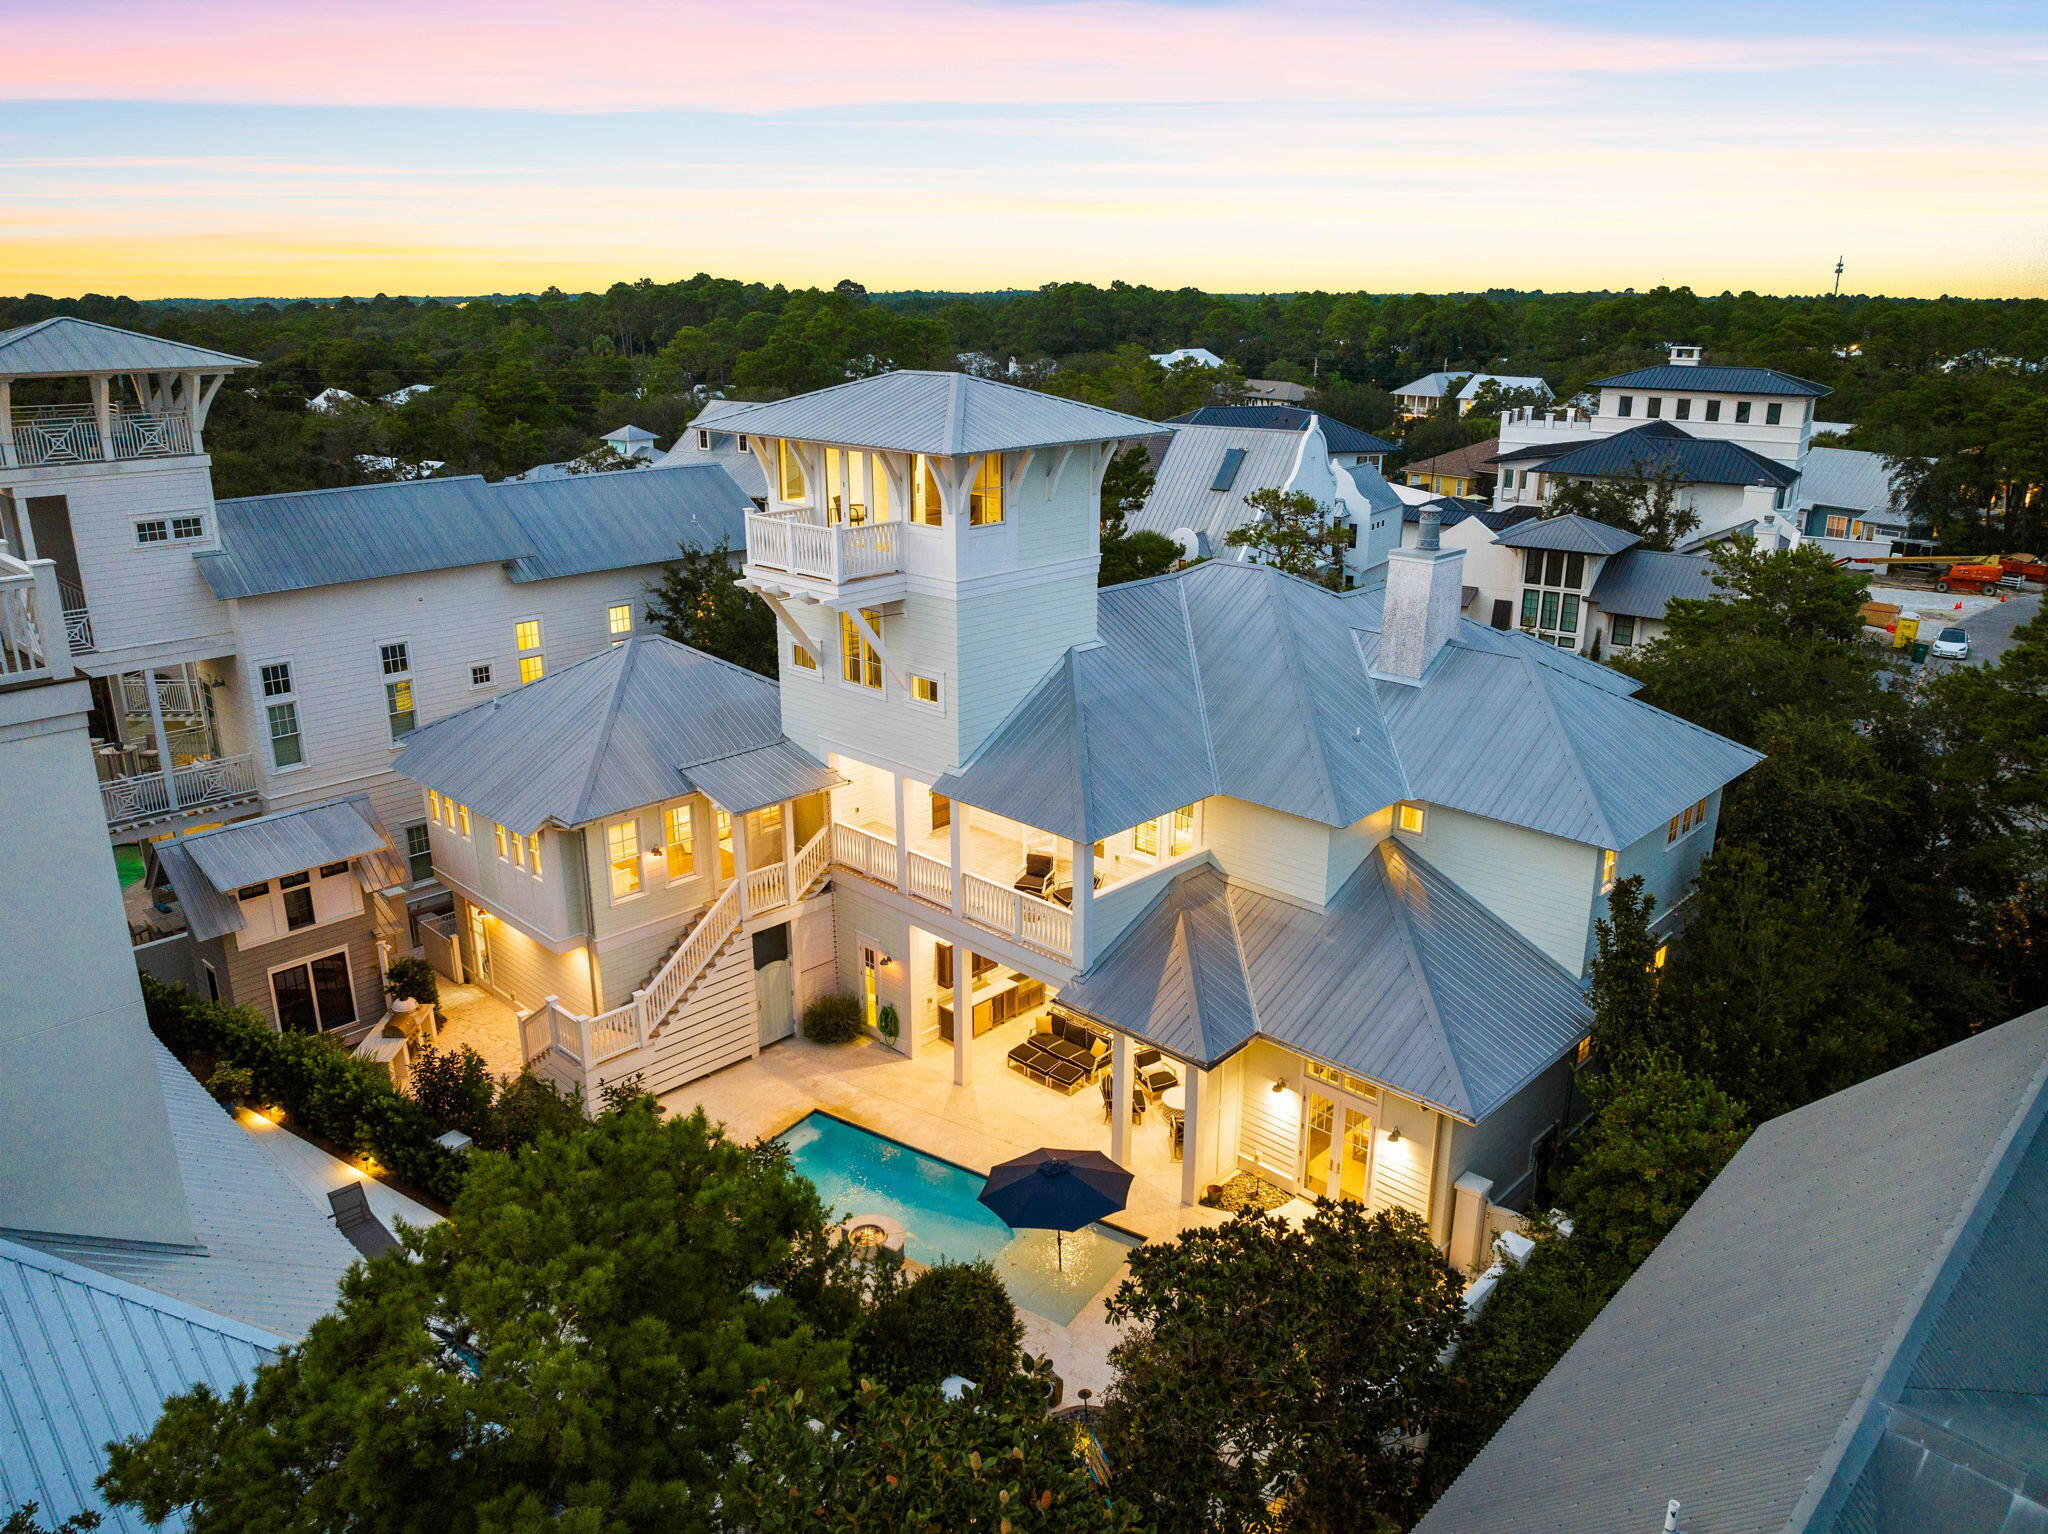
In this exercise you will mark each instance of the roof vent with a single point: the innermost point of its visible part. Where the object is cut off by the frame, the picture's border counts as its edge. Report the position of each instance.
(1671, 1517)
(1685, 356)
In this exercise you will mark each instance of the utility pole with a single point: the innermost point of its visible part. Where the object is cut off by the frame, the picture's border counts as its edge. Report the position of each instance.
(1838, 276)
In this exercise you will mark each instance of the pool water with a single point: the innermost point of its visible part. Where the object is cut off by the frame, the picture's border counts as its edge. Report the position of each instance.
(861, 1173)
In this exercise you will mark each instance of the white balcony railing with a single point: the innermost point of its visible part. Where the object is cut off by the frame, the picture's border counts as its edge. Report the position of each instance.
(1040, 924)
(799, 543)
(58, 434)
(31, 622)
(210, 783)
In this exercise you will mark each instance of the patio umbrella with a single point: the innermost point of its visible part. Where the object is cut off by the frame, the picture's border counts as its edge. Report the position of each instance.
(1056, 1190)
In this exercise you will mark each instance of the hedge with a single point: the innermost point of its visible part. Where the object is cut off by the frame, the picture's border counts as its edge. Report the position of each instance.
(327, 1091)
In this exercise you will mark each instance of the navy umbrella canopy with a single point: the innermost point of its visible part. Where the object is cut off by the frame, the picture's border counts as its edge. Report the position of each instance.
(1057, 1190)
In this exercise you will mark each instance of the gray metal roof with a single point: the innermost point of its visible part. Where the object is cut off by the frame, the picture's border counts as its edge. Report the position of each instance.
(567, 526)
(1402, 977)
(947, 413)
(1704, 379)
(1263, 695)
(205, 870)
(1342, 438)
(64, 346)
(1572, 533)
(1184, 492)
(85, 1359)
(1844, 479)
(268, 1256)
(1434, 384)
(640, 723)
(1659, 446)
(1845, 1333)
(1641, 583)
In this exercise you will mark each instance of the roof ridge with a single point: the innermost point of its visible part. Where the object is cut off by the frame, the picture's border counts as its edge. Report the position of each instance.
(1200, 691)
(956, 413)
(388, 484)
(1393, 863)
(1540, 674)
(1298, 681)
(601, 736)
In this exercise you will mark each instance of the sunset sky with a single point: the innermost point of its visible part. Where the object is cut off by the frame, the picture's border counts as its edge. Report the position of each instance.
(165, 147)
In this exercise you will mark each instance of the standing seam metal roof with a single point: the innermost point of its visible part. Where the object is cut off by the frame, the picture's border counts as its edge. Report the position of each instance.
(639, 723)
(935, 412)
(1642, 583)
(1844, 1333)
(85, 1359)
(206, 870)
(1660, 446)
(1342, 438)
(1570, 533)
(1402, 977)
(64, 345)
(1713, 380)
(1262, 694)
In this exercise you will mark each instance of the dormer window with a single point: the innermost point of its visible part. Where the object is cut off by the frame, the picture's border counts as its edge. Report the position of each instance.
(1713, 410)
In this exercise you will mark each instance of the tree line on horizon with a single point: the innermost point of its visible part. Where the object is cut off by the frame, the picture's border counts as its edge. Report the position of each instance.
(1956, 387)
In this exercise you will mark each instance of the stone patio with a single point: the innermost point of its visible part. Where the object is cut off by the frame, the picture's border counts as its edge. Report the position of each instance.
(473, 1016)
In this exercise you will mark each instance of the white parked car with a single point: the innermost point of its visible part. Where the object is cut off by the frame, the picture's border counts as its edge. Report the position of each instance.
(1951, 644)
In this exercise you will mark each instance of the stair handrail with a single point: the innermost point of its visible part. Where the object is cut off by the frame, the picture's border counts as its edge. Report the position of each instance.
(665, 987)
(811, 863)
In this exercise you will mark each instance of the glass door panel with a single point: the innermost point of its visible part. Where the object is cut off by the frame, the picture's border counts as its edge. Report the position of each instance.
(1321, 1137)
(292, 990)
(331, 991)
(1356, 1175)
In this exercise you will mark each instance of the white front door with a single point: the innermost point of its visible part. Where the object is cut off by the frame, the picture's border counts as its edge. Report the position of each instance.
(774, 1001)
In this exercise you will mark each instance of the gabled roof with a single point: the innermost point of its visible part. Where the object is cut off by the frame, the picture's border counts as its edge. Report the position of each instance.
(1657, 446)
(1402, 977)
(1342, 438)
(1263, 694)
(1433, 384)
(87, 1359)
(639, 723)
(944, 413)
(1843, 1335)
(65, 346)
(267, 1256)
(1572, 533)
(566, 526)
(1642, 583)
(205, 870)
(1845, 479)
(1713, 380)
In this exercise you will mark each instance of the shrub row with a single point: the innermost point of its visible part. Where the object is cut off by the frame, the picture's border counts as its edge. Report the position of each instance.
(327, 1091)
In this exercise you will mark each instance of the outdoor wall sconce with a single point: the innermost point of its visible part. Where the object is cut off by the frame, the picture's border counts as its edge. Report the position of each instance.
(1279, 1083)
(1393, 1137)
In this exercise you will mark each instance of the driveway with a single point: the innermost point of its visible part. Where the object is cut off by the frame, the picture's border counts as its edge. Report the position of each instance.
(1991, 631)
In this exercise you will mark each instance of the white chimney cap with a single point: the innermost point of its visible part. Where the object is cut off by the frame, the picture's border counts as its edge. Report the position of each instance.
(1685, 356)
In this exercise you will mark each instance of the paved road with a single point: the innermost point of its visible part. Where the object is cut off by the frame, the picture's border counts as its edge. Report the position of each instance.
(1991, 630)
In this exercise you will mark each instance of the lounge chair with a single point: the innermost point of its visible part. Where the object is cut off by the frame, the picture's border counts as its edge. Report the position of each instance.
(1037, 876)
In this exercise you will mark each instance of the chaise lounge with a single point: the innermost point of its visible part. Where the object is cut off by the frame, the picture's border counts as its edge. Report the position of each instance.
(1065, 1055)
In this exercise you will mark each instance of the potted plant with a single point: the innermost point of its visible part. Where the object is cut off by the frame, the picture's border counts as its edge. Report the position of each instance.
(410, 983)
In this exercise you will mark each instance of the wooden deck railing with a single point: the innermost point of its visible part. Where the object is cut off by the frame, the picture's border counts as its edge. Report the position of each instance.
(792, 542)
(1041, 924)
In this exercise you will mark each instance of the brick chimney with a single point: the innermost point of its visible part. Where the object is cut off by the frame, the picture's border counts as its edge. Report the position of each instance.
(1425, 591)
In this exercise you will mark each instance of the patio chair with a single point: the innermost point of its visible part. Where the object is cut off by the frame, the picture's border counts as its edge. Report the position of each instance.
(1037, 875)
(1108, 1099)
(1138, 1103)
(1146, 1058)
(1160, 1077)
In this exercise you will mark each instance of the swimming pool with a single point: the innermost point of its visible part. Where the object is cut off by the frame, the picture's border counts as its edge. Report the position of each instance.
(857, 1172)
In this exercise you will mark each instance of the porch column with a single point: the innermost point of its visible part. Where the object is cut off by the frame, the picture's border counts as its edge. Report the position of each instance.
(963, 1016)
(1120, 1098)
(1084, 897)
(739, 860)
(789, 889)
(956, 825)
(1193, 1137)
(902, 839)
(163, 742)
(7, 430)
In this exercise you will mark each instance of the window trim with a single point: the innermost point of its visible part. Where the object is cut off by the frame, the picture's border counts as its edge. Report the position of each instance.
(426, 829)
(615, 860)
(319, 1027)
(611, 620)
(1408, 810)
(488, 670)
(937, 701)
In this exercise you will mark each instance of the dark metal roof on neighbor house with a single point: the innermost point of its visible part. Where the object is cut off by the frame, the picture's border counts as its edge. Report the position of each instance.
(1713, 380)
(1641, 583)
(548, 528)
(1846, 1334)
(1451, 510)
(932, 412)
(205, 871)
(1659, 447)
(1341, 437)
(640, 723)
(88, 1359)
(1571, 533)
(1402, 977)
(1262, 693)
(65, 346)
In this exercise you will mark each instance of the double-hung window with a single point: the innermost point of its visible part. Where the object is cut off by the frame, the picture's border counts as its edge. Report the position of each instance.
(618, 620)
(501, 836)
(395, 661)
(526, 640)
(419, 852)
(297, 891)
(927, 506)
(622, 851)
(859, 662)
(1552, 583)
(281, 714)
(679, 840)
(985, 500)
(1685, 821)
(1623, 631)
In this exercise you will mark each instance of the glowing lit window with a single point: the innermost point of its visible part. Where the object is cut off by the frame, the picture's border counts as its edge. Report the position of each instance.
(927, 507)
(531, 668)
(526, 634)
(504, 853)
(619, 619)
(859, 662)
(802, 659)
(985, 500)
(398, 710)
(462, 820)
(679, 840)
(1606, 870)
(1145, 838)
(533, 854)
(1663, 952)
(723, 822)
(924, 689)
(1584, 1051)
(790, 472)
(622, 848)
(1180, 831)
(1329, 1076)
(1410, 818)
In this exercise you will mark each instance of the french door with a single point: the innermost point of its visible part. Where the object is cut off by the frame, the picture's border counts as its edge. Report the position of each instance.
(314, 996)
(1336, 1147)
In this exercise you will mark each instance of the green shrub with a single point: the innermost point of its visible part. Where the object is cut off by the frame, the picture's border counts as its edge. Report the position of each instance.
(412, 977)
(230, 1084)
(955, 1318)
(326, 1091)
(456, 1088)
(833, 1019)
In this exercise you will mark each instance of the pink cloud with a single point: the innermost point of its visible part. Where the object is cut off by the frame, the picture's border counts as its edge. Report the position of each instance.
(616, 55)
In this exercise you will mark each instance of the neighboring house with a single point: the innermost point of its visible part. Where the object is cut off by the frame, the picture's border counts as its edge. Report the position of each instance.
(588, 821)
(327, 401)
(1734, 437)
(1219, 455)
(1464, 471)
(296, 914)
(407, 395)
(1421, 396)
(629, 448)
(1334, 859)
(1199, 356)
(1843, 1335)
(703, 442)
(1846, 496)
(1274, 391)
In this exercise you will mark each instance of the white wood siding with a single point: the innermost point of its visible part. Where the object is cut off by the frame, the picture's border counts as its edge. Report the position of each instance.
(1279, 852)
(1540, 885)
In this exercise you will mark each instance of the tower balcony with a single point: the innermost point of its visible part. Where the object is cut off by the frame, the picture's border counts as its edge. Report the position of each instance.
(43, 435)
(798, 550)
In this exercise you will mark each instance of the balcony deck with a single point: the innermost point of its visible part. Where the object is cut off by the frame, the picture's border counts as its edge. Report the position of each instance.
(799, 543)
(203, 786)
(73, 434)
